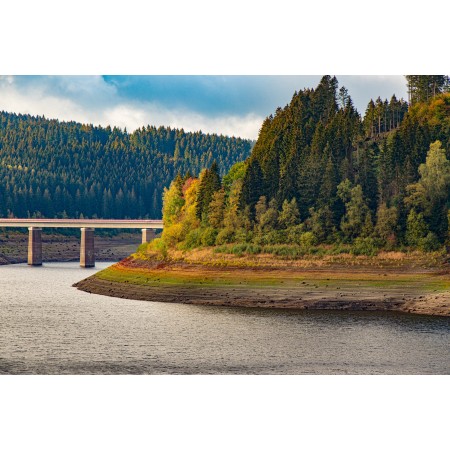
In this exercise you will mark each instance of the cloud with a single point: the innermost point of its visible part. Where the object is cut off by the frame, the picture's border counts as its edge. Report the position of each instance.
(133, 117)
(230, 105)
(94, 100)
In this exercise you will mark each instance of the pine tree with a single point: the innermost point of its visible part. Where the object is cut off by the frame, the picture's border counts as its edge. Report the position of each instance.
(209, 184)
(252, 187)
(422, 88)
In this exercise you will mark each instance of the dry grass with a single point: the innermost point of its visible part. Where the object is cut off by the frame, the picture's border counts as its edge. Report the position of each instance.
(393, 260)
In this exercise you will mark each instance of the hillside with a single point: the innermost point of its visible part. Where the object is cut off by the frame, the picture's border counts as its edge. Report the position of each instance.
(58, 169)
(321, 176)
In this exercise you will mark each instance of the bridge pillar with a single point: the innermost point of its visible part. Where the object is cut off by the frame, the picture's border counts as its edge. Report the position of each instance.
(35, 246)
(148, 234)
(87, 255)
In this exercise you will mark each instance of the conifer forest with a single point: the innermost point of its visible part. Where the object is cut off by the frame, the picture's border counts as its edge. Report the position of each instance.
(59, 169)
(320, 174)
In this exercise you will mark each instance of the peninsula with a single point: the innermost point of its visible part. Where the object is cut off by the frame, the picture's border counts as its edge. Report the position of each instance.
(329, 211)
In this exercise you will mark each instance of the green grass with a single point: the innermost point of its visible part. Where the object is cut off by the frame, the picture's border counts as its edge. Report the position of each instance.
(259, 279)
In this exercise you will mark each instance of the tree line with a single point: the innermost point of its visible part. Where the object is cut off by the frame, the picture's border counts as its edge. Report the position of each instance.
(320, 174)
(59, 169)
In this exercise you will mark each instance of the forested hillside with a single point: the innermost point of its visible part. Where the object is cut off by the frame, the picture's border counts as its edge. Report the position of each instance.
(320, 174)
(57, 169)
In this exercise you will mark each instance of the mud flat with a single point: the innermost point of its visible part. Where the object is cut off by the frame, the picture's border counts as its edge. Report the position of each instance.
(411, 290)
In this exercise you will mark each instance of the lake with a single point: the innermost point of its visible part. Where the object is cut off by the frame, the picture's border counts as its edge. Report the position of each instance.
(49, 327)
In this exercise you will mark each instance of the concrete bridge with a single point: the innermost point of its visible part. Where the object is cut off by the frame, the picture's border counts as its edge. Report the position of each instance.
(87, 226)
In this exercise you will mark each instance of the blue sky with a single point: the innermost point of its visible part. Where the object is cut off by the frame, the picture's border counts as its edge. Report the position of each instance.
(231, 105)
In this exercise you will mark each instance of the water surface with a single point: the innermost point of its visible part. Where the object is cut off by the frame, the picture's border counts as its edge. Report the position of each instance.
(49, 327)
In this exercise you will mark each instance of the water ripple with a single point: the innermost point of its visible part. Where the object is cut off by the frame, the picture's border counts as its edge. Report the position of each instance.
(48, 327)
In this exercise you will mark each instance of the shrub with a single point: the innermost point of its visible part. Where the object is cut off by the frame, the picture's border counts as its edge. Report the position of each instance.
(276, 237)
(259, 239)
(339, 249)
(238, 249)
(192, 240)
(308, 240)
(285, 251)
(294, 233)
(208, 237)
(243, 236)
(159, 246)
(225, 236)
(364, 246)
(173, 234)
(221, 249)
(142, 248)
(429, 243)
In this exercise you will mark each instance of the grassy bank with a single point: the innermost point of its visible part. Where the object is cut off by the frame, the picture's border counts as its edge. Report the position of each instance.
(418, 283)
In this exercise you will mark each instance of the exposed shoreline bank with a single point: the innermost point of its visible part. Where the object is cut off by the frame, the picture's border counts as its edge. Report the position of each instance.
(375, 289)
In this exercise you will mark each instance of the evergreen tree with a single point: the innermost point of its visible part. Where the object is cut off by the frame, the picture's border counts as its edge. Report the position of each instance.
(252, 187)
(209, 184)
(421, 88)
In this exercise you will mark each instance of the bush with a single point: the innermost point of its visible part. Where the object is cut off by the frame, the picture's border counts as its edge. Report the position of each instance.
(308, 240)
(272, 237)
(173, 234)
(225, 236)
(277, 237)
(429, 243)
(243, 236)
(238, 249)
(159, 246)
(208, 237)
(285, 251)
(364, 246)
(294, 233)
(339, 249)
(253, 249)
(192, 240)
(142, 248)
(221, 249)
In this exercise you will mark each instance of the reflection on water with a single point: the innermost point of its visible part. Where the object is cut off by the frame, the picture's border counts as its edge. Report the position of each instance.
(48, 327)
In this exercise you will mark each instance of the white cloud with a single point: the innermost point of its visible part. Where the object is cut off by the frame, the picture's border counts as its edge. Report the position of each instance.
(133, 117)
(92, 100)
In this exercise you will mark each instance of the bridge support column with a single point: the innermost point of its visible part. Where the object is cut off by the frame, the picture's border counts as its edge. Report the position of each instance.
(87, 255)
(148, 234)
(35, 246)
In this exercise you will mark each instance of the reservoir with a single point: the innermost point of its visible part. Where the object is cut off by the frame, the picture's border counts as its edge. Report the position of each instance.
(49, 327)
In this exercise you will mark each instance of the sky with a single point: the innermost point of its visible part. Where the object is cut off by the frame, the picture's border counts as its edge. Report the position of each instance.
(229, 105)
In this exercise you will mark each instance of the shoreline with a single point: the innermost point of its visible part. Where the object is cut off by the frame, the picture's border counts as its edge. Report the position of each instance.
(417, 292)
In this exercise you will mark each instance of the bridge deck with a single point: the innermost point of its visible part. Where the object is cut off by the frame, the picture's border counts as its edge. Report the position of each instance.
(82, 223)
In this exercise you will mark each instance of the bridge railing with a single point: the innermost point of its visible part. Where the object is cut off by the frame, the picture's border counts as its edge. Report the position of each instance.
(83, 223)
